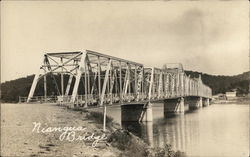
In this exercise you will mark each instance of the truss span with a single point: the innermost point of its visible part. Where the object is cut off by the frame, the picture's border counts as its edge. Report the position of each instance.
(104, 79)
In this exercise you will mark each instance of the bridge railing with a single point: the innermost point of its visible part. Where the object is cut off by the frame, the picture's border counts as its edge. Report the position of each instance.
(39, 99)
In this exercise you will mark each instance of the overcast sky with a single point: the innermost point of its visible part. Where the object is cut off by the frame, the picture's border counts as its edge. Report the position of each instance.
(210, 37)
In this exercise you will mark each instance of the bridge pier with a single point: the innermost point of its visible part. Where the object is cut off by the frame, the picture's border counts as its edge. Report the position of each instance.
(194, 102)
(137, 112)
(206, 102)
(174, 106)
(200, 102)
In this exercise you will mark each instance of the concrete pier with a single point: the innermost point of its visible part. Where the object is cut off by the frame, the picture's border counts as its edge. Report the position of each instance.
(206, 102)
(194, 102)
(137, 112)
(174, 106)
(200, 102)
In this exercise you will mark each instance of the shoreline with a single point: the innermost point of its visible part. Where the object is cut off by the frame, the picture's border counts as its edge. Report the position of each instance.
(239, 101)
(19, 140)
(127, 142)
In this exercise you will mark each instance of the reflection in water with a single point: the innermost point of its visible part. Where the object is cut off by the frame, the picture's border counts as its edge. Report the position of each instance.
(214, 131)
(143, 130)
(176, 133)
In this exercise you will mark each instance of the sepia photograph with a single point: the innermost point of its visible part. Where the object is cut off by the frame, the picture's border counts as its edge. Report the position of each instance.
(125, 78)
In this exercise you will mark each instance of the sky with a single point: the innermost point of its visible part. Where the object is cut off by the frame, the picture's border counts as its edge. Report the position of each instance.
(206, 36)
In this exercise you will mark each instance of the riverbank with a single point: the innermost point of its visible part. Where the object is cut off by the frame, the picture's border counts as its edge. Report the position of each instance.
(19, 139)
(128, 143)
(236, 100)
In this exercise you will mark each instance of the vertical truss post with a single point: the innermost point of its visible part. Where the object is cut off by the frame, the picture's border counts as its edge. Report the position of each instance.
(135, 87)
(108, 84)
(189, 86)
(111, 84)
(99, 77)
(172, 84)
(196, 88)
(62, 82)
(139, 84)
(167, 85)
(160, 86)
(151, 84)
(85, 85)
(120, 80)
(116, 84)
(192, 87)
(80, 70)
(177, 84)
(186, 85)
(129, 83)
(89, 71)
(142, 81)
(163, 84)
(45, 87)
(183, 83)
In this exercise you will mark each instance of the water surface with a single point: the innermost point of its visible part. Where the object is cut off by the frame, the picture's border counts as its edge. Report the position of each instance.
(214, 131)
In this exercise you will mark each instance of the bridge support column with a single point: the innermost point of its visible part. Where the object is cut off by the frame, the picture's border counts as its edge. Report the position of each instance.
(194, 102)
(200, 102)
(206, 102)
(137, 112)
(174, 106)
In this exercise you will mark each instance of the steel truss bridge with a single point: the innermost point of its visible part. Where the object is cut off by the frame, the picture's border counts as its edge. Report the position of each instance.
(108, 80)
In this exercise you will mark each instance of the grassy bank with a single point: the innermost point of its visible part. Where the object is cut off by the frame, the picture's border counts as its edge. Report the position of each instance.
(128, 143)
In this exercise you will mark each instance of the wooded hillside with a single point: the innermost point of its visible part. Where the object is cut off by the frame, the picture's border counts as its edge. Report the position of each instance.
(11, 90)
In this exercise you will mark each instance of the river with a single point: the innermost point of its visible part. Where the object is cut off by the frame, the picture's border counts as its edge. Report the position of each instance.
(213, 131)
(216, 131)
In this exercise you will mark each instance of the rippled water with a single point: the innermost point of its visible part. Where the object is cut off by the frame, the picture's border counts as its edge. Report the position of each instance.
(214, 131)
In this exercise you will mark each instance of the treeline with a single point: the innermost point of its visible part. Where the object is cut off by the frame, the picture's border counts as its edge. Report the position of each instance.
(11, 90)
(222, 84)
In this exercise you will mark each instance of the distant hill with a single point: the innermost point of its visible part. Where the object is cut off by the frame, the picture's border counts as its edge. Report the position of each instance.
(221, 83)
(11, 90)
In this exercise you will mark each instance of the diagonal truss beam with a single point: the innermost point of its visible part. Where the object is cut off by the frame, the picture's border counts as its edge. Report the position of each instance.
(80, 70)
